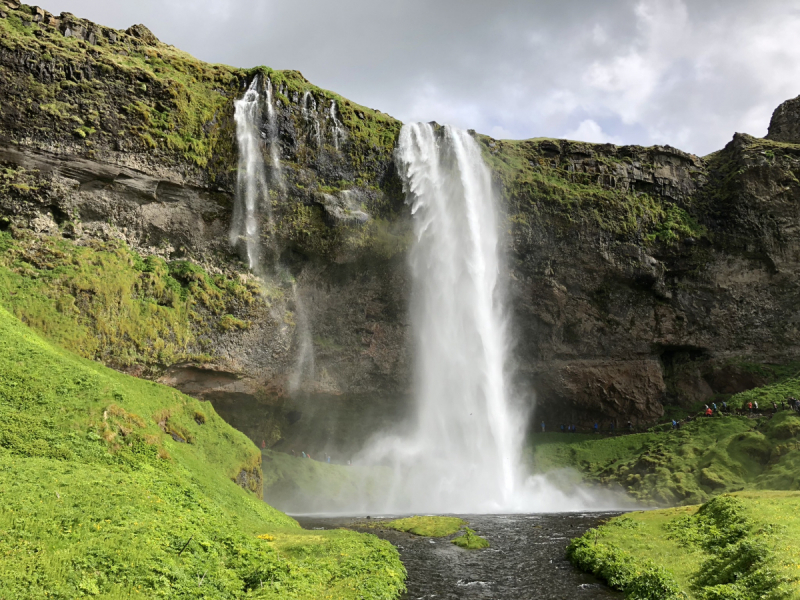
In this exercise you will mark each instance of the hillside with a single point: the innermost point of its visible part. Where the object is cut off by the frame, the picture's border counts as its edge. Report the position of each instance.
(703, 458)
(735, 546)
(117, 487)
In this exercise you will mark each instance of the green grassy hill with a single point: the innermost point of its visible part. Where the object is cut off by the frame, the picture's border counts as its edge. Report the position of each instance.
(706, 457)
(115, 487)
(736, 547)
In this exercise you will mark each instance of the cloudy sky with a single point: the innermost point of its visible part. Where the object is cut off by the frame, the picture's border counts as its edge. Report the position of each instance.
(683, 72)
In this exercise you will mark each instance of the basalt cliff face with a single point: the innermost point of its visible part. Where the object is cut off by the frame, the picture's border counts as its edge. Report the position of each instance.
(637, 277)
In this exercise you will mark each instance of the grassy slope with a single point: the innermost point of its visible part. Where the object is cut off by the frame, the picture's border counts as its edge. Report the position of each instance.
(104, 302)
(741, 548)
(97, 499)
(688, 466)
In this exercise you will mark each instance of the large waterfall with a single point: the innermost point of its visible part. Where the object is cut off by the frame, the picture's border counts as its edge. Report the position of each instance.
(462, 452)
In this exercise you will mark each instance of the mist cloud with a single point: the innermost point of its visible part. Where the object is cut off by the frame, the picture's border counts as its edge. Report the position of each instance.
(650, 71)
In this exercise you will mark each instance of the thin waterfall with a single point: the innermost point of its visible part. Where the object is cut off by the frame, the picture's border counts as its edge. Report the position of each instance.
(336, 128)
(462, 453)
(305, 363)
(309, 109)
(251, 184)
(274, 139)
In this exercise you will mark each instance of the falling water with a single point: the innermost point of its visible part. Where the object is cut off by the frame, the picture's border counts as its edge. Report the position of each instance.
(274, 141)
(305, 364)
(309, 109)
(463, 451)
(251, 183)
(336, 127)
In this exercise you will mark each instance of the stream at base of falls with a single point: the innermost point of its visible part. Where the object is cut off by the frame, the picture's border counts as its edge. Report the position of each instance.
(526, 560)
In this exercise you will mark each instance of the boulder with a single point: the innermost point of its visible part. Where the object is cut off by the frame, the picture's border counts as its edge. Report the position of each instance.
(785, 123)
(142, 33)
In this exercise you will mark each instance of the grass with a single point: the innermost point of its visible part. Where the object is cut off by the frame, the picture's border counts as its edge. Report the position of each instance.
(741, 546)
(470, 540)
(105, 302)
(114, 487)
(430, 526)
(706, 457)
(540, 187)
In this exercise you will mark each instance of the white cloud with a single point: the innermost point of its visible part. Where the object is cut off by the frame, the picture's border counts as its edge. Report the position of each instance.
(590, 131)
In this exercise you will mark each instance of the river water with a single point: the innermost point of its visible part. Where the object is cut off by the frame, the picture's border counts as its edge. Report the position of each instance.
(526, 559)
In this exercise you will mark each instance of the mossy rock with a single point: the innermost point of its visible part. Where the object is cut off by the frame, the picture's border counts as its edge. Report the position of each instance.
(470, 540)
(428, 526)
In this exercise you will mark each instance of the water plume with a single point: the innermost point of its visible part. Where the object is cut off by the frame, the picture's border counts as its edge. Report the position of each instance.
(462, 452)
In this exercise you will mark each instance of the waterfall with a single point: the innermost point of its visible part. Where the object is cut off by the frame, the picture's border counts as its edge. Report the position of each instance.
(337, 128)
(309, 109)
(251, 183)
(274, 139)
(462, 452)
(305, 364)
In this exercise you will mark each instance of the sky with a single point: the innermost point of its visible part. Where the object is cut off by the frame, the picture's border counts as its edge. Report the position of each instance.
(688, 73)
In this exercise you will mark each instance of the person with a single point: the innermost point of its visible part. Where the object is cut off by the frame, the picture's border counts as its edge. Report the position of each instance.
(294, 453)
(630, 426)
(714, 405)
(774, 406)
(263, 444)
(562, 428)
(329, 459)
(674, 424)
(542, 426)
(755, 405)
(709, 412)
(303, 453)
(750, 407)
(724, 406)
(596, 427)
(783, 406)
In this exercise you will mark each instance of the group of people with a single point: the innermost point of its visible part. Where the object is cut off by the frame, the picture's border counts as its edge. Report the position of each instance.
(326, 457)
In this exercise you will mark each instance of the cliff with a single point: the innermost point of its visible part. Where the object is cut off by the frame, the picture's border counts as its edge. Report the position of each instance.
(637, 277)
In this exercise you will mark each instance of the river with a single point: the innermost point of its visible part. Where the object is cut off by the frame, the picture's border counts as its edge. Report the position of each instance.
(525, 561)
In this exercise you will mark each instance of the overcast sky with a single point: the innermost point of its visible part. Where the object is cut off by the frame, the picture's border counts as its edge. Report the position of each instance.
(688, 73)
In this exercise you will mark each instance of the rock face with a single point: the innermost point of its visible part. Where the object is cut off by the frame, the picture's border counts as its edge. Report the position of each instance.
(637, 277)
(785, 123)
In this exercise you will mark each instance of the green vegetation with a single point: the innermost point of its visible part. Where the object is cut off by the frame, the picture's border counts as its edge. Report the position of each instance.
(428, 526)
(118, 487)
(470, 540)
(540, 180)
(743, 546)
(104, 302)
(706, 457)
